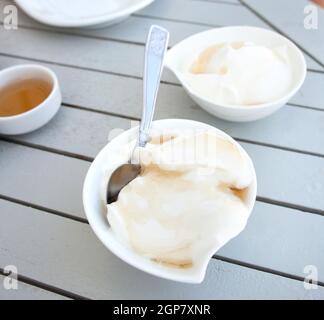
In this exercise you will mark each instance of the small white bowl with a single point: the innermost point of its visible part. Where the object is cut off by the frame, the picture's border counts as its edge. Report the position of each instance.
(96, 210)
(238, 113)
(41, 114)
(81, 13)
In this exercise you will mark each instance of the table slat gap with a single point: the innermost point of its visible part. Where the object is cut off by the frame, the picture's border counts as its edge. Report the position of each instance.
(48, 289)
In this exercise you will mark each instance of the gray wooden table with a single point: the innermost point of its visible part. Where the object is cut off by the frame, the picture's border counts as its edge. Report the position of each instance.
(43, 229)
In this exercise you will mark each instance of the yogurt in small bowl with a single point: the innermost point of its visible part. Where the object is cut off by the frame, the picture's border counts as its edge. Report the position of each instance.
(238, 73)
(156, 241)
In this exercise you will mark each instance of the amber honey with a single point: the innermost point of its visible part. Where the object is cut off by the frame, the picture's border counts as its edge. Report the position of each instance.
(22, 96)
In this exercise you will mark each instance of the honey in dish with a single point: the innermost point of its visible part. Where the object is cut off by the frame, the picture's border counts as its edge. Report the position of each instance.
(22, 96)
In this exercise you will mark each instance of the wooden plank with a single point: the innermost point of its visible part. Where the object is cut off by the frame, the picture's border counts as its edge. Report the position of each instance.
(225, 1)
(282, 129)
(42, 178)
(97, 54)
(92, 271)
(108, 56)
(288, 16)
(27, 292)
(77, 132)
(288, 177)
(312, 64)
(202, 12)
(280, 239)
(107, 93)
(83, 133)
(54, 181)
(277, 177)
(311, 93)
(135, 30)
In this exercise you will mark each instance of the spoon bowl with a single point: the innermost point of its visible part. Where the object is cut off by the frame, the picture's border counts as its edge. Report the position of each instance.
(122, 176)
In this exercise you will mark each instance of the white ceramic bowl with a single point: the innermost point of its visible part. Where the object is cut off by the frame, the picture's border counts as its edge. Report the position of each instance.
(200, 41)
(96, 210)
(81, 13)
(41, 114)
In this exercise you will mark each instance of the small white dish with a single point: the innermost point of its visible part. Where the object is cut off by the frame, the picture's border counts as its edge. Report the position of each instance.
(238, 113)
(38, 116)
(96, 210)
(81, 13)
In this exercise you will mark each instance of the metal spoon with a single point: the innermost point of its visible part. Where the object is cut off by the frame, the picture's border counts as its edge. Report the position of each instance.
(156, 45)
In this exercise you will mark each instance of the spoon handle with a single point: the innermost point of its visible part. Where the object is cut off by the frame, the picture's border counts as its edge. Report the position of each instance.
(156, 45)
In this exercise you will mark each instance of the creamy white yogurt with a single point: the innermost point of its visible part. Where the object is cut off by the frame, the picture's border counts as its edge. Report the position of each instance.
(239, 73)
(189, 199)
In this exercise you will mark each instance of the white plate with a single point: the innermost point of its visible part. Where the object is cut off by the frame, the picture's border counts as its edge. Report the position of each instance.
(80, 13)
